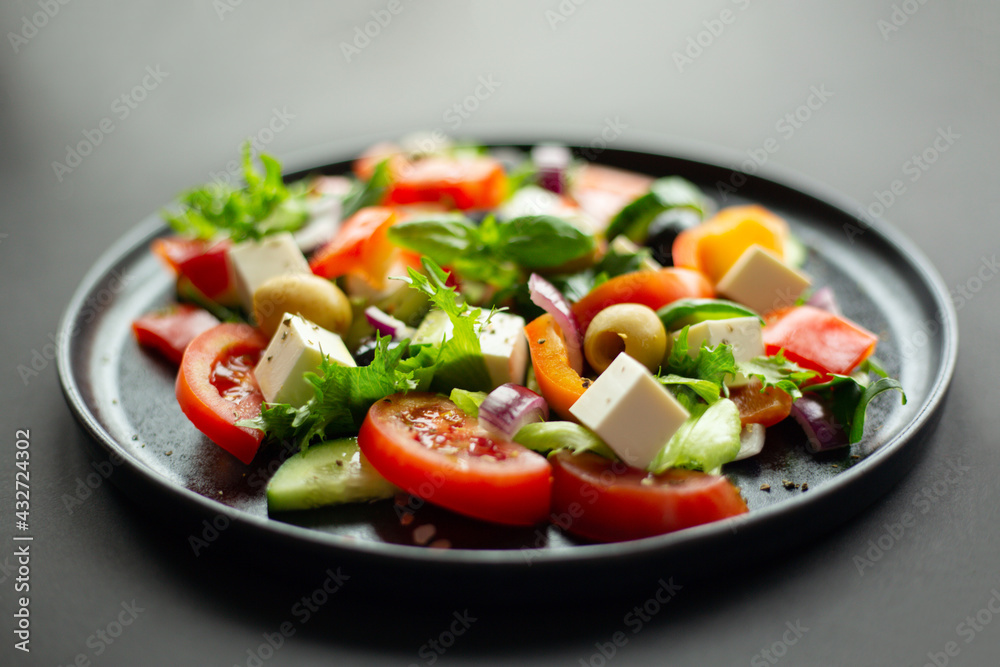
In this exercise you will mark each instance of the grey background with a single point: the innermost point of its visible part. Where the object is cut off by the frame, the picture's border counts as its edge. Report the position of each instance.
(227, 71)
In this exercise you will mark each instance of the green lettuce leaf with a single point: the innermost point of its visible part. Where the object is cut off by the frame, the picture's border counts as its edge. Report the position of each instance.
(709, 438)
(777, 371)
(544, 437)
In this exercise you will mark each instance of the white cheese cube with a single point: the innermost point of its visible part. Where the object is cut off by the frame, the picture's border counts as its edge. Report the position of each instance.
(745, 334)
(504, 346)
(256, 262)
(631, 411)
(762, 282)
(297, 347)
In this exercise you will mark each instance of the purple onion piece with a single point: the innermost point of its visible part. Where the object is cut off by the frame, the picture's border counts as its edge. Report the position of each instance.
(816, 419)
(385, 324)
(548, 298)
(552, 162)
(509, 407)
(825, 299)
(751, 441)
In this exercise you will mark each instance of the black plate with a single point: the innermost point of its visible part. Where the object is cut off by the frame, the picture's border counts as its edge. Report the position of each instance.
(124, 398)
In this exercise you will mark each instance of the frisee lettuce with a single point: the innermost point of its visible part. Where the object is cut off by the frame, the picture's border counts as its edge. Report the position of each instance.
(342, 396)
(265, 206)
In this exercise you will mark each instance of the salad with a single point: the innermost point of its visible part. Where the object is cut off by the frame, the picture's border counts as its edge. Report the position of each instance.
(517, 337)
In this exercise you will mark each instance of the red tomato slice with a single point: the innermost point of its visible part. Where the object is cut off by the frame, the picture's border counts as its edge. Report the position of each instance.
(607, 501)
(204, 263)
(361, 246)
(818, 339)
(424, 444)
(766, 408)
(602, 191)
(216, 386)
(464, 183)
(650, 288)
(170, 331)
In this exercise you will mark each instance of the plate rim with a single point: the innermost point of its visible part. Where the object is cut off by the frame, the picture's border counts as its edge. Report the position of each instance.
(304, 160)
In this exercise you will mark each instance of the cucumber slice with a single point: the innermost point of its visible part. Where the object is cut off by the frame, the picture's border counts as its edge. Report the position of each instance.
(684, 312)
(330, 473)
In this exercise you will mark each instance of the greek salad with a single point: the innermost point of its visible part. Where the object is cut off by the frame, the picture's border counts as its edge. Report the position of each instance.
(512, 335)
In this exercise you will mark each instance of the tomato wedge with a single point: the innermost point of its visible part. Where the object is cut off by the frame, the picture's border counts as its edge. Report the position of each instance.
(216, 386)
(560, 385)
(766, 408)
(650, 288)
(205, 263)
(170, 331)
(424, 444)
(818, 339)
(361, 246)
(465, 183)
(608, 501)
(603, 191)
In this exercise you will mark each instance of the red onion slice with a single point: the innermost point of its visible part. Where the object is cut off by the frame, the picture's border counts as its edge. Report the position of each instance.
(387, 325)
(825, 299)
(552, 162)
(509, 407)
(751, 441)
(816, 419)
(548, 298)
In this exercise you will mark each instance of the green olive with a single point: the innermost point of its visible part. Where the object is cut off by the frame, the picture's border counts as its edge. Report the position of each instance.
(316, 299)
(625, 327)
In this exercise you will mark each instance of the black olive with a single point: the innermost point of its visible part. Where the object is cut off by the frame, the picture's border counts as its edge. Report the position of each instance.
(365, 354)
(664, 229)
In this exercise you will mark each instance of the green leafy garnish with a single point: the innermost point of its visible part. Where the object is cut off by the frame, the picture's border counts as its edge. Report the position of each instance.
(849, 397)
(546, 437)
(342, 396)
(468, 401)
(498, 253)
(664, 194)
(711, 363)
(457, 359)
(265, 206)
(777, 371)
(709, 438)
(709, 392)
(369, 193)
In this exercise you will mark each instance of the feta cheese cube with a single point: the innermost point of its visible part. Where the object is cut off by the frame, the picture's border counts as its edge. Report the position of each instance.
(762, 282)
(256, 262)
(504, 346)
(631, 411)
(297, 347)
(743, 333)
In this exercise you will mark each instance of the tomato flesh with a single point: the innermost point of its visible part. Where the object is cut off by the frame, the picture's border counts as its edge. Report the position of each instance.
(170, 331)
(424, 444)
(216, 387)
(205, 263)
(360, 246)
(608, 501)
(818, 339)
(766, 408)
(650, 288)
(464, 183)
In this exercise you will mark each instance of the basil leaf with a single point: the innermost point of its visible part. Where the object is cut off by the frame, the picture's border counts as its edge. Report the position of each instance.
(443, 239)
(542, 241)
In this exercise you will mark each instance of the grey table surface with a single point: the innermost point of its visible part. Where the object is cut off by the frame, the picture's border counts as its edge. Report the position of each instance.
(849, 92)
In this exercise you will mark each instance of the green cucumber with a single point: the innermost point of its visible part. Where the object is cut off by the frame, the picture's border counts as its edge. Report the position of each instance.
(684, 312)
(665, 193)
(330, 473)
